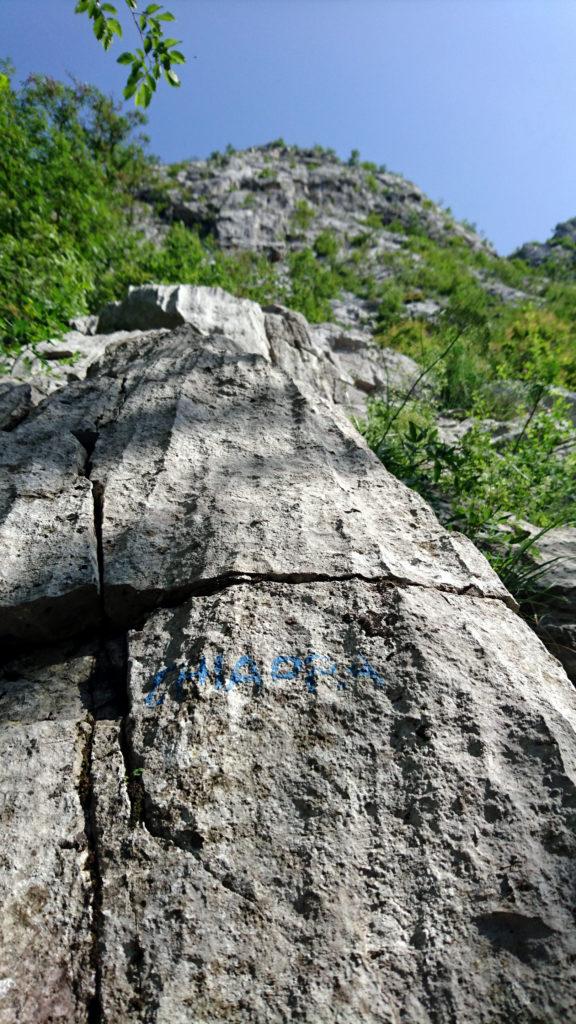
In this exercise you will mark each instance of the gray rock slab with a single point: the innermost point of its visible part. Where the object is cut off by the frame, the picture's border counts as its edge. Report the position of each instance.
(219, 464)
(345, 774)
(16, 401)
(363, 369)
(48, 570)
(558, 548)
(211, 460)
(206, 309)
(557, 629)
(556, 624)
(46, 883)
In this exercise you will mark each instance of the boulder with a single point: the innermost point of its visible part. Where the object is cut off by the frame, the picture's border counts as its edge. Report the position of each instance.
(208, 310)
(275, 744)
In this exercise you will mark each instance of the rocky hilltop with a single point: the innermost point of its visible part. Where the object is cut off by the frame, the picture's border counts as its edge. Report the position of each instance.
(278, 197)
(558, 252)
(276, 746)
(416, 326)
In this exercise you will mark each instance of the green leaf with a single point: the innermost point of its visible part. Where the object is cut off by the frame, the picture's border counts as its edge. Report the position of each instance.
(109, 8)
(125, 58)
(82, 6)
(114, 27)
(152, 8)
(177, 58)
(166, 17)
(143, 95)
(172, 78)
(147, 44)
(129, 90)
(99, 26)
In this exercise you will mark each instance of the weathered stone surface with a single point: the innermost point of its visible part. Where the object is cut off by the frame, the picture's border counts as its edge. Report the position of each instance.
(215, 457)
(46, 878)
(340, 845)
(557, 547)
(259, 199)
(202, 455)
(344, 364)
(206, 309)
(361, 368)
(48, 571)
(16, 401)
(557, 623)
(332, 779)
(59, 362)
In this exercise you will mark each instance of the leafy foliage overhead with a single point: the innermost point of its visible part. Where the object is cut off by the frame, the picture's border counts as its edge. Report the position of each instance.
(68, 161)
(148, 63)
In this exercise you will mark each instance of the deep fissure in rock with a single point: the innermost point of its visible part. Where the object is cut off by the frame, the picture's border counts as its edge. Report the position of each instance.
(86, 794)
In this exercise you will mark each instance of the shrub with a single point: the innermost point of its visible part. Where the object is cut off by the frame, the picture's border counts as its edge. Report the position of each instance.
(478, 488)
(303, 215)
(67, 166)
(326, 244)
(312, 285)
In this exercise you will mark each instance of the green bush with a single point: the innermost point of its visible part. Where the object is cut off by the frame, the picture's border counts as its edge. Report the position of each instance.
(312, 285)
(303, 215)
(479, 488)
(326, 244)
(67, 165)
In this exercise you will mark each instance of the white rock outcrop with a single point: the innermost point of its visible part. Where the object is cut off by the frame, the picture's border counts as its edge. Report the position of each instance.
(275, 746)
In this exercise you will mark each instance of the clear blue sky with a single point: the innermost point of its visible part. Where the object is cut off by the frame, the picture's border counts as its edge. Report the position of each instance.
(474, 100)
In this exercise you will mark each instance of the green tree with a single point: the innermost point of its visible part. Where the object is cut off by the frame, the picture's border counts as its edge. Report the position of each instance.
(68, 162)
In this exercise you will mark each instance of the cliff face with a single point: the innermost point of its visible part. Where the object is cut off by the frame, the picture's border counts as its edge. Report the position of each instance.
(280, 197)
(275, 745)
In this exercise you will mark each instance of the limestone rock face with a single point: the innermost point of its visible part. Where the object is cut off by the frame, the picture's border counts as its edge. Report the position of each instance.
(16, 401)
(49, 573)
(275, 746)
(207, 309)
(274, 198)
(46, 875)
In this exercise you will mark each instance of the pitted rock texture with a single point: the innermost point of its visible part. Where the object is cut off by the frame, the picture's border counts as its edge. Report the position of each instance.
(274, 745)
(388, 823)
(49, 571)
(46, 875)
(199, 462)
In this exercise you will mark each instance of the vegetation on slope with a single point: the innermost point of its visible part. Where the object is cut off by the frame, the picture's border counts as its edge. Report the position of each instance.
(500, 343)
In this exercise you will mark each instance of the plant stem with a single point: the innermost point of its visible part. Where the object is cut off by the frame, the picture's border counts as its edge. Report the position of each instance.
(541, 390)
(415, 385)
